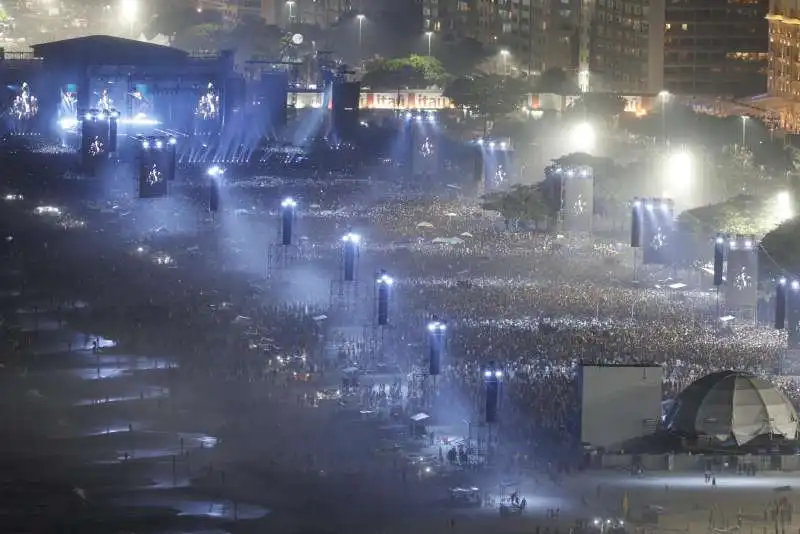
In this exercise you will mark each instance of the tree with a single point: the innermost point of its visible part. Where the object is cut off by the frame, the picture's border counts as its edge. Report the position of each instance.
(601, 105)
(489, 95)
(555, 80)
(412, 72)
(742, 214)
(520, 203)
(200, 37)
(780, 250)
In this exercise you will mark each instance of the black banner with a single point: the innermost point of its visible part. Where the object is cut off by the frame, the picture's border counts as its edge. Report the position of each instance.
(424, 149)
(793, 316)
(741, 283)
(578, 200)
(156, 167)
(94, 141)
(658, 231)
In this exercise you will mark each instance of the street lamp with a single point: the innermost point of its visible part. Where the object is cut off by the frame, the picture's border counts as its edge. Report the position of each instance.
(745, 118)
(663, 97)
(504, 54)
(129, 11)
(360, 18)
(290, 3)
(429, 35)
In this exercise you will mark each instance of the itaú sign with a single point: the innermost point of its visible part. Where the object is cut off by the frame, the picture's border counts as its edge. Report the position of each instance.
(400, 100)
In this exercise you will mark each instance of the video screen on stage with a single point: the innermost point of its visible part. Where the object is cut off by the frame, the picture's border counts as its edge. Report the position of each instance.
(68, 104)
(208, 104)
(24, 103)
(578, 199)
(742, 275)
(658, 230)
(140, 100)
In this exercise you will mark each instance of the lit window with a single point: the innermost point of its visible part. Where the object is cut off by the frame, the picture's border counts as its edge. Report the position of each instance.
(684, 27)
(668, 26)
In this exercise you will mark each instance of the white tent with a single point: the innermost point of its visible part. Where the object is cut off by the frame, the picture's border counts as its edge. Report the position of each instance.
(424, 224)
(730, 405)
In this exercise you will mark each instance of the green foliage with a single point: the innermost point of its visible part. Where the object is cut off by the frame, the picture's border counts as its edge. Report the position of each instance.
(460, 57)
(781, 249)
(555, 81)
(412, 72)
(520, 203)
(200, 37)
(600, 105)
(743, 214)
(489, 95)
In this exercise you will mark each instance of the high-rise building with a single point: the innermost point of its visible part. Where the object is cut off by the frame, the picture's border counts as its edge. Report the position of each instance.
(233, 10)
(783, 73)
(545, 34)
(697, 47)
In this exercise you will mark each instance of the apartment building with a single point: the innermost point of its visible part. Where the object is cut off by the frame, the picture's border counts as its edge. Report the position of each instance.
(281, 12)
(692, 47)
(545, 34)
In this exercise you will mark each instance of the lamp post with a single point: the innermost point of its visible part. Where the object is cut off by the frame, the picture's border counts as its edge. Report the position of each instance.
(663, 96)
(360, 18)
(504, 54)
(429, 35)
(745, 118)
(129, 9)
(290, 3)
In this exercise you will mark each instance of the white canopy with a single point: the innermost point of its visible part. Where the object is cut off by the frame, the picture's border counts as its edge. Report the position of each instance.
(732, 405)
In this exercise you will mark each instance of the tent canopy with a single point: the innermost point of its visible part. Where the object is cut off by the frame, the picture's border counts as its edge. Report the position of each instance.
(732, 405)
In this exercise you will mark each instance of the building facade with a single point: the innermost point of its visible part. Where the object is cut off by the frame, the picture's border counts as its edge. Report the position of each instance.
(783, 73)
(693, 47)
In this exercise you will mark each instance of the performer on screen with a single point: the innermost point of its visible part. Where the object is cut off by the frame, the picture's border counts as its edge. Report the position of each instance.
(208, 106)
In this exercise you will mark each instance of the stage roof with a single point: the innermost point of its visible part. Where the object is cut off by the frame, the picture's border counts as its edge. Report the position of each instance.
(107, 50)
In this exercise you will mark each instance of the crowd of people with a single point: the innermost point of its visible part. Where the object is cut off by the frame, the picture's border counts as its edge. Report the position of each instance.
(535, 305)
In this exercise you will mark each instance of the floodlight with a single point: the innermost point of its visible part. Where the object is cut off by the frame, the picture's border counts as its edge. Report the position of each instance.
(498, 374)
(385, 279)
(487, 374)
(145, 144)
(795, 285)
(480, 142)
(436, 326)
(748, 244)
(720, 240)
(88, 116)
(649, 206)
(503, 145)
(350, 237)
(583, 137)
(173, 141)
(288, 203)
(680, 166)
(159, 144)
(732, 243)
(215, 171)
(782, 281)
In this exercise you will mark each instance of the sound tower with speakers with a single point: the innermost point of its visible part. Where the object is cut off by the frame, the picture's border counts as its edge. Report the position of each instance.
(719, 259)
(344, 109)
(213, 195)
(275, 90)
(233, 98)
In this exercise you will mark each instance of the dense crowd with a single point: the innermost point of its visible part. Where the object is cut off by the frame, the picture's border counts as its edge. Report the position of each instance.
(536, 305)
